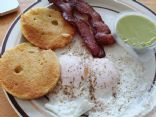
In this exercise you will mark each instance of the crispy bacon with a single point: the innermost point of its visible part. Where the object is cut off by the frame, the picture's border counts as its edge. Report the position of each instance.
(82, 26)
(88, 36)
(101, 30)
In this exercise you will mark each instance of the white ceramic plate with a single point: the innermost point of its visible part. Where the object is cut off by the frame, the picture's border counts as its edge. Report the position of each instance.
(108, 9)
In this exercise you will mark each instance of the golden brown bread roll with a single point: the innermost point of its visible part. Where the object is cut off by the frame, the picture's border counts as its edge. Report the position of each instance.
(28, 72)
(46, 28)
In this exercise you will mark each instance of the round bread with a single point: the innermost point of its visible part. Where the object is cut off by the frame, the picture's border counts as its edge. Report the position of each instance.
(46, 28)
(28, 72)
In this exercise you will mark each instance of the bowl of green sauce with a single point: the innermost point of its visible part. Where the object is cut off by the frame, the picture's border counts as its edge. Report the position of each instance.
(135, 31)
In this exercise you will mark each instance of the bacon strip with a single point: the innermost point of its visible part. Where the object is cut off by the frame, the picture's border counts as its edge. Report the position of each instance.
(82, 26)
(88, 36)
(101, 30)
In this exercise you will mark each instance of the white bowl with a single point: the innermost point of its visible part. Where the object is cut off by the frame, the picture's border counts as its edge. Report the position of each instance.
(134, 51)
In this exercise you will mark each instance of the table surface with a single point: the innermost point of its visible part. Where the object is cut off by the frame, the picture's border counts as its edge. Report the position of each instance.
(5, 21)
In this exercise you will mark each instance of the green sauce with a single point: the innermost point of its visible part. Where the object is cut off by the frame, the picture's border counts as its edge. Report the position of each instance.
(137, 31)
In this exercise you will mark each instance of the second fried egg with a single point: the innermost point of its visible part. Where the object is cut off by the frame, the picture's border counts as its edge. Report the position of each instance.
(98, 76)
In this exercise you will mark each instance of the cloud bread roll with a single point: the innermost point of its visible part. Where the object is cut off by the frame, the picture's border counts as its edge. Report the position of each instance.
(28, 72)
(46, 28)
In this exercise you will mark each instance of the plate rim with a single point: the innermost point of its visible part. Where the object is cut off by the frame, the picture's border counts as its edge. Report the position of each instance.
(14, 104)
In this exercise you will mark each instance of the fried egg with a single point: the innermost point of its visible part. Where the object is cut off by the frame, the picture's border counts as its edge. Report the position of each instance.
(83, 79)
(105, 77)
(99, 74)
(72, 69)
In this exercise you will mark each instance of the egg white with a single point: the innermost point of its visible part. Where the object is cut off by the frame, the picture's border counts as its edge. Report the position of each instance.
(91, 80)
(106, 86)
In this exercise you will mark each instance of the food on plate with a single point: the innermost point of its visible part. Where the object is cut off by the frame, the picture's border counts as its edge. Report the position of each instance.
(75, 108)
(99, 74)
(82, 27)
(84, 82)
(101, 31)
(93, 30)
(28, 72)
(136, 30)
(82, 85)
(46, 28)
(105, 77)
(97, 87)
